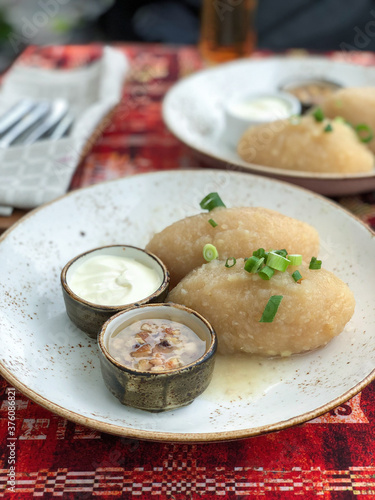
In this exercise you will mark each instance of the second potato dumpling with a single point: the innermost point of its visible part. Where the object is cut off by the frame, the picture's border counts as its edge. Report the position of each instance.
(306, 145)
(310, 314)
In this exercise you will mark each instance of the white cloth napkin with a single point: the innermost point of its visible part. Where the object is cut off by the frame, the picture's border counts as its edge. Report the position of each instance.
(35, 174)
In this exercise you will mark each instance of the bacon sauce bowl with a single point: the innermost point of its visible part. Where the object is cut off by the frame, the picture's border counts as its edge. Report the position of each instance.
(157, 357)
(310, 91)
(104, 281)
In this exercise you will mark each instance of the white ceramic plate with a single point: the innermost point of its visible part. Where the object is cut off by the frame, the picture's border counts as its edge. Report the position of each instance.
(46, 357)
(193, 110)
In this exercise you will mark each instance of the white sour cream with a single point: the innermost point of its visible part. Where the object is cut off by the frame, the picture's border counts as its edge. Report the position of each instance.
(262, 108)
(113, 281)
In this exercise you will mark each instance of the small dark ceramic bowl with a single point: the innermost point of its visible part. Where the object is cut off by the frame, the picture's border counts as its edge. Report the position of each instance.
(158, 391)
(297, 85)
(90, 317)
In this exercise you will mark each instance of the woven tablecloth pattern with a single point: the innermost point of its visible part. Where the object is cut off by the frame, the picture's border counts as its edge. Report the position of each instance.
(329, 457)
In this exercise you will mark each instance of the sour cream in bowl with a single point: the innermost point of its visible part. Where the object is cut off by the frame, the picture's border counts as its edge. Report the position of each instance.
(104, 281)
(247, 110)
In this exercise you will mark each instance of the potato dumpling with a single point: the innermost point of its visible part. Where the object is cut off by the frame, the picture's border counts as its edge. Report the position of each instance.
(238, 233)
(306, 145)
(356, 105)
(311, 313)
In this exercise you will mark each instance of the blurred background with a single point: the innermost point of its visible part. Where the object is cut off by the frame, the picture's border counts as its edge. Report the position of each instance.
(310, 24)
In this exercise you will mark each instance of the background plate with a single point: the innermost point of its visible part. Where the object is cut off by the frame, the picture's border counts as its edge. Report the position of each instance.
(193, 110)
(45, 356)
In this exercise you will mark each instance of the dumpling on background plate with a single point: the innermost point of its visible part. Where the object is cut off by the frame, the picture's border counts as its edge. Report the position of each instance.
(355, 105)
(306, 144)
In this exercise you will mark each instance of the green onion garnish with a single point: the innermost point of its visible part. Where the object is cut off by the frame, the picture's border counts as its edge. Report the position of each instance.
(315, 263)
(233, 262)
(368, 131)
(252, 264)
(295, 259)
(328, 128)
(266, 273)
(211, 201)
(212, 222)
(271, 309)
(260, 253)
(210, 252)
(297, 276)
(318, 115)
(282, 252)
(277, 262)
(340, 119)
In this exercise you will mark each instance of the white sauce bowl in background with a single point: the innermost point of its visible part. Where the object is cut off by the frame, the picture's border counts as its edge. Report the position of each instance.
(247, 110)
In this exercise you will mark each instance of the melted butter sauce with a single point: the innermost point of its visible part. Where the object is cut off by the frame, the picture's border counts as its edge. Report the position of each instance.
(240, 376)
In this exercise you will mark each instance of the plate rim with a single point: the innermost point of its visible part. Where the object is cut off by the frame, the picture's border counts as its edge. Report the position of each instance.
(150, 435)
(251, 167)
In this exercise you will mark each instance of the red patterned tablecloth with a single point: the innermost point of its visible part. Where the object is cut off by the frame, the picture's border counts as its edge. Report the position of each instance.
(329, 457)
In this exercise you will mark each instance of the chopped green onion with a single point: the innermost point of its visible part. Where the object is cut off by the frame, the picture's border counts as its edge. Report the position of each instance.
(212, 222)
(271, 308)
(340, 119)
(328, 128)
(364, 128)
(315, 263)
(260, 253)
(282, 252)
(277, 262)
(318, 115)
(210, 252)
(295, 259)
(230, 259)
(266, 273)
(211, 201)
(252, 264)
(297, 276)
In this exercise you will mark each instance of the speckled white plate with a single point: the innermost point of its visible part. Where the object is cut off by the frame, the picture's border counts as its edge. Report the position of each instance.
(46, 357)
(193, 110)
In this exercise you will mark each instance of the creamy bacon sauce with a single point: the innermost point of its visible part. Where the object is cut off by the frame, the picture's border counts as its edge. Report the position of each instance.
(156, 345)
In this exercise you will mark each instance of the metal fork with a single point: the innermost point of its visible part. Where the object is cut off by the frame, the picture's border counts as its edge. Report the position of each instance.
(29, 121)
(31, 118)
(58, 110)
